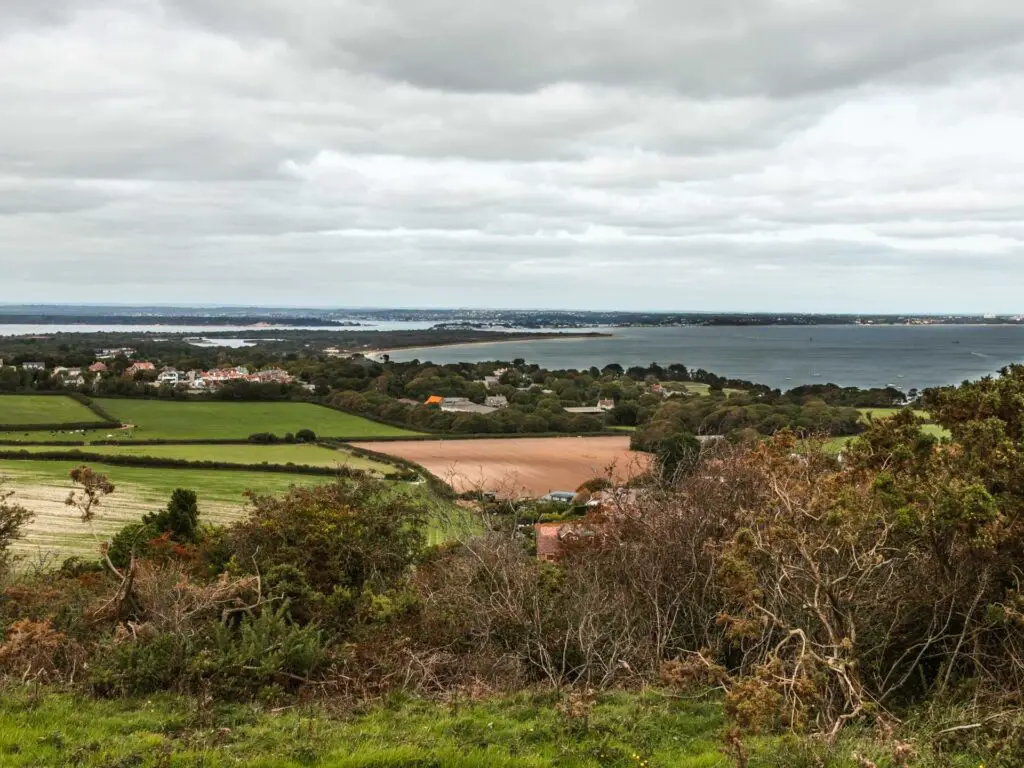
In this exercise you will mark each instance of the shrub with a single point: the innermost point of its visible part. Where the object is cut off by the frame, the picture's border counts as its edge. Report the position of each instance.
(178, 522)
(335, 541)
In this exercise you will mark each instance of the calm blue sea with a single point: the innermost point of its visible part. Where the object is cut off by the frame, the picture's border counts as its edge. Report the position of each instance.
(780, 356)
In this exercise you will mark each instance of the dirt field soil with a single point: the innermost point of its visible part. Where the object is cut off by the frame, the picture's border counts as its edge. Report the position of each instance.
(525, 466)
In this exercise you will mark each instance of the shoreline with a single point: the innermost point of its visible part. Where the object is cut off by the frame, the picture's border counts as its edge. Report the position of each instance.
(559, 337)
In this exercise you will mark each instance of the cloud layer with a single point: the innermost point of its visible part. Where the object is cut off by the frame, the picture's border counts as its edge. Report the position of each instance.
(838, 155)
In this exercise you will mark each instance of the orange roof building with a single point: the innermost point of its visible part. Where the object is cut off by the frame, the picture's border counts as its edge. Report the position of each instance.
(435, 400)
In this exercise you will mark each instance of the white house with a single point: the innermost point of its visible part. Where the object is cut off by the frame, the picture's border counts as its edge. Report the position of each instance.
(171, 377)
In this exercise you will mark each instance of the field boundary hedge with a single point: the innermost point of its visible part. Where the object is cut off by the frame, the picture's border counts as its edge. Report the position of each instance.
(436, 484)
(70, 426)
(95, 407)
(168, 463)
(481, 436)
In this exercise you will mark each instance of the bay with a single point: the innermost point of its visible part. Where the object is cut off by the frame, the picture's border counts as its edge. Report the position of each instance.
(779, 356)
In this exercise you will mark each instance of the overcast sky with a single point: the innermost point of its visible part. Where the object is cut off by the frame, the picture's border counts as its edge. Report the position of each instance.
(825, 155)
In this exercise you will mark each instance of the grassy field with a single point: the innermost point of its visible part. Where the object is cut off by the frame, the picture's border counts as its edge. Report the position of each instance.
(306, 455)
(42, 486)
(885, 413)
(43, 409)
(156, 419)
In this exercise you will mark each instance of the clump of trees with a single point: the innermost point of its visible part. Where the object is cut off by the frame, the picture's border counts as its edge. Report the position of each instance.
(743, 416)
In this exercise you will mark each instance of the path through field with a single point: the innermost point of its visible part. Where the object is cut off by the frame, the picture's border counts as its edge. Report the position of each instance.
(523, 466)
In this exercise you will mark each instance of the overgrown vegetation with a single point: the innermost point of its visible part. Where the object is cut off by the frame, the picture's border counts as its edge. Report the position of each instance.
(869, 603)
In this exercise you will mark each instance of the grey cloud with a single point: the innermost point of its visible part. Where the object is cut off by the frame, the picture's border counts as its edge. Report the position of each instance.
(777, 47)
(743, 155)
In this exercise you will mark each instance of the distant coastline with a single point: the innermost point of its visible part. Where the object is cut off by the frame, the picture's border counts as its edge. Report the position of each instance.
(517, 340)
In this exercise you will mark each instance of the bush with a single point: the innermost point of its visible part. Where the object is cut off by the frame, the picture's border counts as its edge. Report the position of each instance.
(179, 522)
(324, 546)
(262, 657)
(305, 436)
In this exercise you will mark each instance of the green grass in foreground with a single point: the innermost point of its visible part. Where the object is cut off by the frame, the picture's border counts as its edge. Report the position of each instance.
(305, 455)
(523, 731)
(172, 420)
(39, 727)
(43, 409)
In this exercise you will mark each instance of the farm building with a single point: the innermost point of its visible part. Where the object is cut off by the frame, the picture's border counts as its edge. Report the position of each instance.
(464, 405)
(496, 401)
(553, 537)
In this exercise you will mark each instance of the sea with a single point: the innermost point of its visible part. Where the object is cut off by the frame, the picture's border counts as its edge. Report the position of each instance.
(903, 356)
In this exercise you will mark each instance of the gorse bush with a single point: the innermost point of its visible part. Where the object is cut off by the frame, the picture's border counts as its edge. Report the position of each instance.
(178, 522)
(263, 656)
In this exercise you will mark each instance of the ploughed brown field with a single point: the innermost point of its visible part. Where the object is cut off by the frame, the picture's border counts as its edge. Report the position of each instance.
(530, 466)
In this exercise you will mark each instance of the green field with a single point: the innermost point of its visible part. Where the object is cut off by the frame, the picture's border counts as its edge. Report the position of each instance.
(170, 420)
(885, 413)
(304, 455)
(42, 487)
(43, 409)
